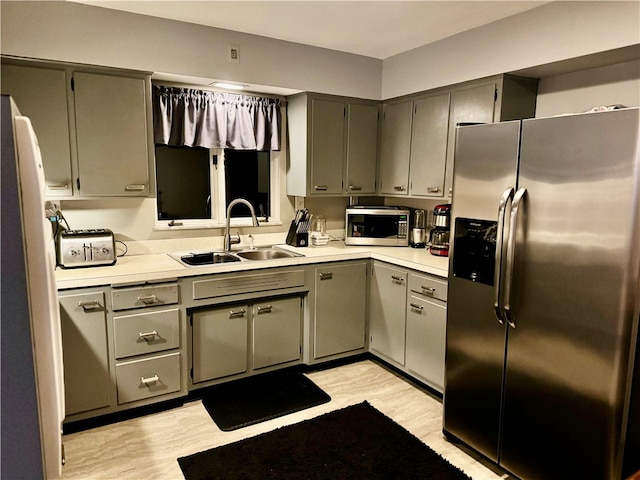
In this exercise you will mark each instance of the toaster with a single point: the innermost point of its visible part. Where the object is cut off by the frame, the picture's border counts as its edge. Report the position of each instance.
(86, 248)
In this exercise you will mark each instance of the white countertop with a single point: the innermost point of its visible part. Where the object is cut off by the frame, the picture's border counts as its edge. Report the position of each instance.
(160, 266)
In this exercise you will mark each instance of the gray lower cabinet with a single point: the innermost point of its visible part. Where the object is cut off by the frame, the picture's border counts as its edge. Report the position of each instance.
(276, 331)
(239, 338)
(340, 308)
(219, 342)
(387, 317)
(87, 379)
(426, 329)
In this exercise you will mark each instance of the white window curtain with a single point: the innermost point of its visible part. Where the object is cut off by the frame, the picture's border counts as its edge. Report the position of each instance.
(198, 118)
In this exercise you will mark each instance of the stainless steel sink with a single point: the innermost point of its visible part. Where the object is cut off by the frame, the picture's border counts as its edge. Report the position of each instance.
(208, 258)
(204, 258)
(266, 254)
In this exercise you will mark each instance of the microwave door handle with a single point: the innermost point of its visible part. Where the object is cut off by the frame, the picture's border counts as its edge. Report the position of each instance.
(511, 255)
(507, 196)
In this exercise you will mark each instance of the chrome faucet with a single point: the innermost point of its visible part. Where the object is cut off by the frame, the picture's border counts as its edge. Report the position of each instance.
(228, 241)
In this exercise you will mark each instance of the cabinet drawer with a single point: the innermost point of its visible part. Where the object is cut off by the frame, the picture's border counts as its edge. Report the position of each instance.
(428, 286)
(232, 285)
(124, 298)
(148, 377)
(146, 332)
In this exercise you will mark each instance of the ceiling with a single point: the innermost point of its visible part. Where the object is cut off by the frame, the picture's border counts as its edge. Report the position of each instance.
(377, 29)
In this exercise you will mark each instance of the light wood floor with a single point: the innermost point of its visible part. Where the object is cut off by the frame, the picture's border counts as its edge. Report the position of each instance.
(147, 447)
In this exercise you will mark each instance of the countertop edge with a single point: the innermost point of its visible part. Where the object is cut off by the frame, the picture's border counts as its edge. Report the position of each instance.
(160, 267)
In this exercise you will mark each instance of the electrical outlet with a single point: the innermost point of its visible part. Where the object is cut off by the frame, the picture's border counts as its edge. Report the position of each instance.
(234, 54)
(299, 203)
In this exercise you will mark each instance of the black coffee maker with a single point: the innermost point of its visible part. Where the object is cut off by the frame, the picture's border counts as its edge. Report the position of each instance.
(439, 235)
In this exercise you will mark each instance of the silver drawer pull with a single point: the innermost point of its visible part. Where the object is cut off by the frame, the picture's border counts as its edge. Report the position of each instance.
(397, 278)
(354, 188)
(135, 188)
(148, 380)
(326, 275)
(148, 299)
(90, 305)
(429, 290)
(237, 313)
(265, 309)
(416, 306)
(147, 336)
(321, 188)
(433, 189)
(58, 187)
(399, 188)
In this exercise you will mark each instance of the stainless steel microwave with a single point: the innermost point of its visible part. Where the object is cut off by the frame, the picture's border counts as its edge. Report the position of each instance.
(377, 225)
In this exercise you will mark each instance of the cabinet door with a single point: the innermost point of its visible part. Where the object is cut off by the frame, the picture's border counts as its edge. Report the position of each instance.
(429, 145)
(362, 149)
(111, 135)
(276, 331)
(340, 309)
(84, 346)
(41, 95)
(426, 330)
(476, 105)
(220, 338)
(388, 312)
(395, 148)
(327, 146)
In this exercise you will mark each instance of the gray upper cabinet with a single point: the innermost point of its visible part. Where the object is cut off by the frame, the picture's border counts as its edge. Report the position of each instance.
(41, 94)
(429, 145)
(362, 148)
(395, 150)
(418, 131)
(111, 135)
(332, 145)
(93, 126)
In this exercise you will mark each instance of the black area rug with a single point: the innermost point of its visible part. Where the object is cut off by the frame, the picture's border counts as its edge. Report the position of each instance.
(357, 442)
(256, 399)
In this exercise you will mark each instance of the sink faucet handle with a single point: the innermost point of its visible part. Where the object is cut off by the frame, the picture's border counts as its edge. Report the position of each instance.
(234, 240)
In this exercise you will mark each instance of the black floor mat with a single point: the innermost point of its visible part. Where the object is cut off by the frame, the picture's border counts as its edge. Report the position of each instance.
(256, 399)
(354, 443)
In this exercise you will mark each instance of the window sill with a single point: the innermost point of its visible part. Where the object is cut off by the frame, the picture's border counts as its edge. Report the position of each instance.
(191, 225)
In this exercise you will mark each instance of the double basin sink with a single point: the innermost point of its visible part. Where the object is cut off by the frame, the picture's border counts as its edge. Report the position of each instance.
(215, 257)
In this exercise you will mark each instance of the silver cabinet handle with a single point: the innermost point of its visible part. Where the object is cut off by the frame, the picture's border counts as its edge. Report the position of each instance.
(135, 188)
(433, 189)
(265, 309)
(397, 278)
(399, 188)
(147, 336)
(58, 187)
(511, 255)
(355, 189)
(415, 306)
(428, 290)
(237, 313)
(90, 305)
(148, 299)
(148, 380)
(450, 191)
(326, 275)
(321, 188)
(507, 196)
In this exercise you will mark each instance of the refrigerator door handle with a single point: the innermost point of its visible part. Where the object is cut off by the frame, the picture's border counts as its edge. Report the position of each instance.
(497, 286)
(511, 255)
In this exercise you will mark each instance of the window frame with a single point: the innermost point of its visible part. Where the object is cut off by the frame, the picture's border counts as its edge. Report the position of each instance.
(218, 198)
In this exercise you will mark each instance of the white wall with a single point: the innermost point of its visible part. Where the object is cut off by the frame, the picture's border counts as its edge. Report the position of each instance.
(580, 91)
(72, 32)
(550, 33)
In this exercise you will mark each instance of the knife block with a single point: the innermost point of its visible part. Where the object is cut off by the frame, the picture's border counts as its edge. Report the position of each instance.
(295, 238)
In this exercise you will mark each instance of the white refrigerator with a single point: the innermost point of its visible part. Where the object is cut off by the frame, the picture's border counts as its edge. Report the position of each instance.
(31, 349)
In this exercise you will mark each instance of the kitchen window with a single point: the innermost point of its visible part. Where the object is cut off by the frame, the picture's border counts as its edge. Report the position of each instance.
(195, 185)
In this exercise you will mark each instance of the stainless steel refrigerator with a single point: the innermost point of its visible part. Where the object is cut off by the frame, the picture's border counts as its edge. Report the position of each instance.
(542, 373)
